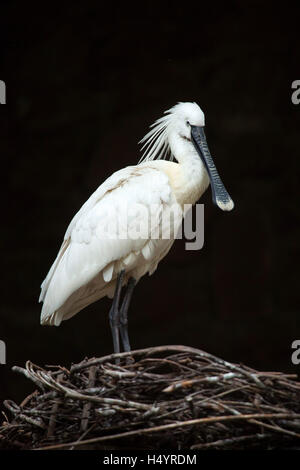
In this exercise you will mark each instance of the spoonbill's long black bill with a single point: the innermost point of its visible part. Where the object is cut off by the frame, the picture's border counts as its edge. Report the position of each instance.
(220, 195)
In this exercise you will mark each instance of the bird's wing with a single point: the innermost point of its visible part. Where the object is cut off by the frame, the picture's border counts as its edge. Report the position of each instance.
(108, 185)
(105, 230)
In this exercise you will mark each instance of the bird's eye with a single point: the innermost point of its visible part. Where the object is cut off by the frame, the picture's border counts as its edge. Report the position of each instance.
(188, 123)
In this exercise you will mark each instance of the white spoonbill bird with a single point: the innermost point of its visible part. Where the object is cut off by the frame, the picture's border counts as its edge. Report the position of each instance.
(92, 262)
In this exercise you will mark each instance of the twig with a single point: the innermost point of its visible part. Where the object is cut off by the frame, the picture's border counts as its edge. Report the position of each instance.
(87, 406)
(231, 441)
(181, 424)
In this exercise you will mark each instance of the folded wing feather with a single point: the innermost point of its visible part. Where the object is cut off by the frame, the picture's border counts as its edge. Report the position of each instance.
(96, 242)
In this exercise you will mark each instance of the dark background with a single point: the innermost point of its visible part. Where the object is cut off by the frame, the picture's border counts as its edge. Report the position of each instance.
(84, 82)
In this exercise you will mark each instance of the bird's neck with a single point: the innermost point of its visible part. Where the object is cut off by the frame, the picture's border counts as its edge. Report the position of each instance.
(195, 180)
(192, 179)
(188, 178)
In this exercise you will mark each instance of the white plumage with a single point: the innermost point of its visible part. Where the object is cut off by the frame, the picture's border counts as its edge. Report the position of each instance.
(96, 246)
(89, 259)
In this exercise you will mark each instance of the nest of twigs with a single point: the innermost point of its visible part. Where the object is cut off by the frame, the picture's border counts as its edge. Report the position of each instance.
(172, 397)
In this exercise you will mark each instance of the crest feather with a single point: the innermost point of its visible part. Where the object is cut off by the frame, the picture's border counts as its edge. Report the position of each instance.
(155, 143)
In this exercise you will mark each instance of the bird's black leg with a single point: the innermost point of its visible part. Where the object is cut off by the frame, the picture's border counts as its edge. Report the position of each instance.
(114, 313)
(124, 316)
